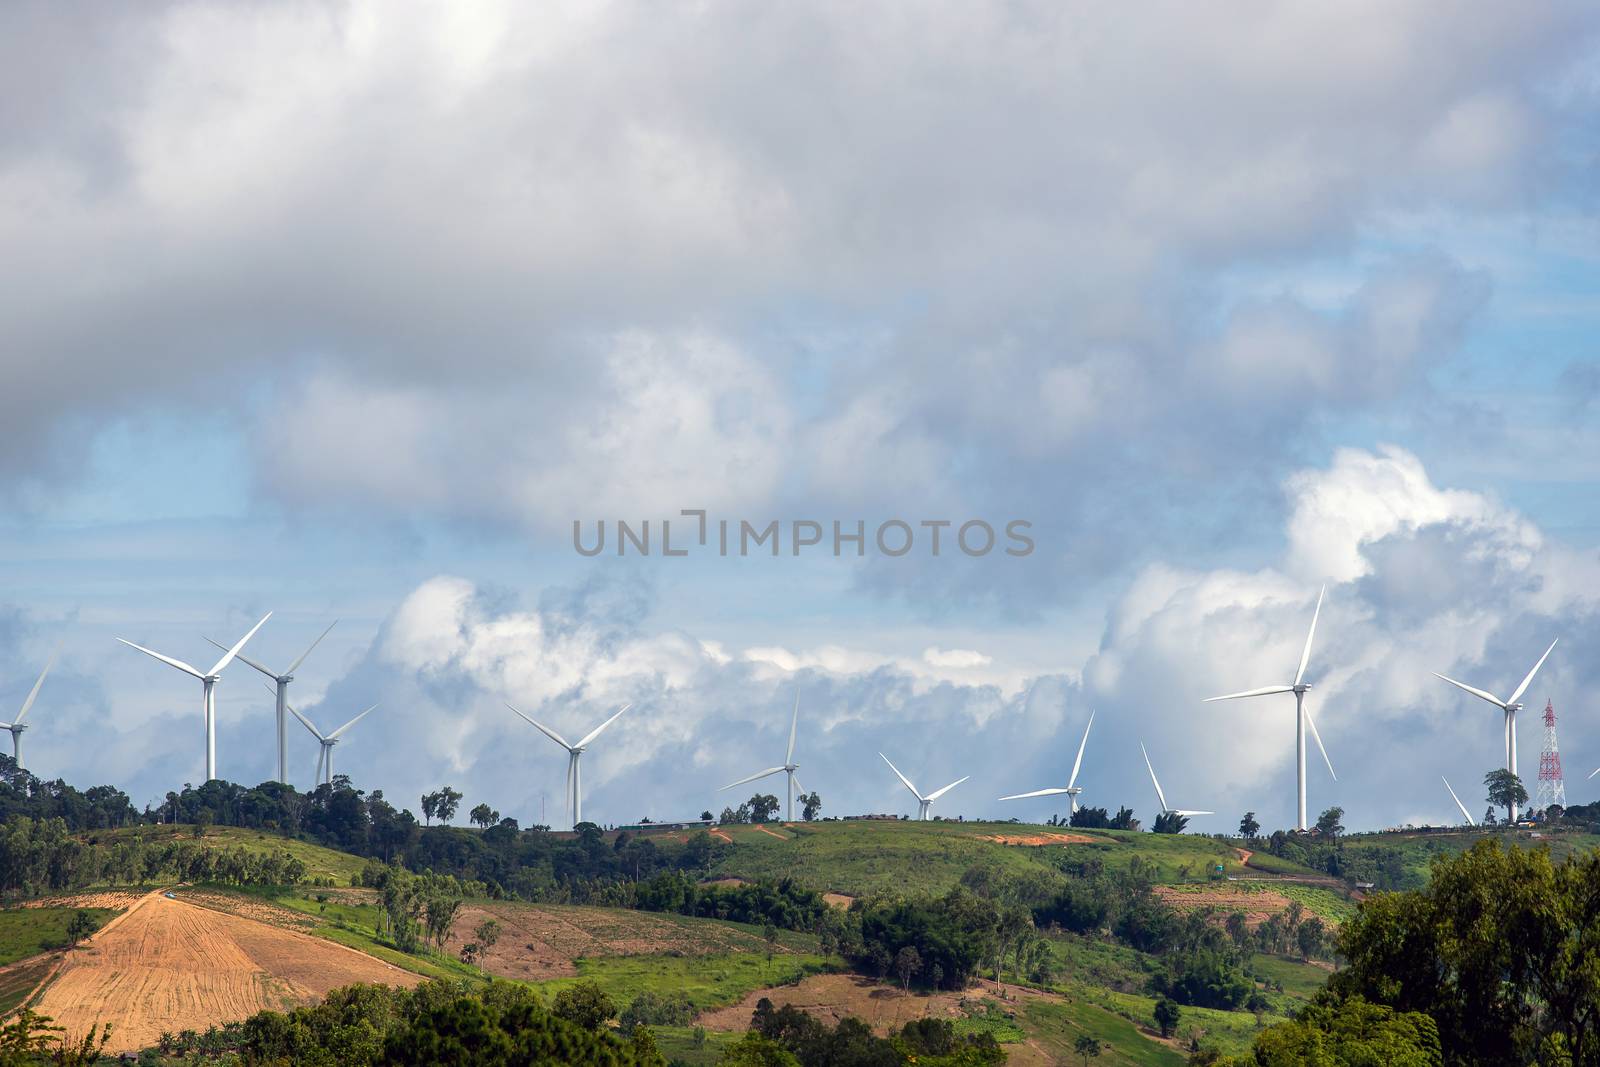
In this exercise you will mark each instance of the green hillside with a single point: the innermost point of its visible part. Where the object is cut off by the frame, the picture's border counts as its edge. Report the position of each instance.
(884, 856)
(321, 863)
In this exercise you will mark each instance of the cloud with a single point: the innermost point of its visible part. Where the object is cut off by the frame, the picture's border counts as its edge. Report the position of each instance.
(453, 268)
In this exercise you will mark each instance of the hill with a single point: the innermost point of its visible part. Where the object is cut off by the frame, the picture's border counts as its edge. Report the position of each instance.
(321, 863)
(165, 965)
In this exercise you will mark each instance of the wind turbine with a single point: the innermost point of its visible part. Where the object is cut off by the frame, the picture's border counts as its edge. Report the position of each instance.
(1465, 814)
(789, 765)
(325, 756)
(16, 726)
(1162, 797)
(209, 695)
(923, 802)
(574, 775)
(1302, 717)
(1510, 707)
(1073, 788)
(282, 681)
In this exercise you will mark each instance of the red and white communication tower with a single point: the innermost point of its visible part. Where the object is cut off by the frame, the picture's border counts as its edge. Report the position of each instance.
(1552, 789)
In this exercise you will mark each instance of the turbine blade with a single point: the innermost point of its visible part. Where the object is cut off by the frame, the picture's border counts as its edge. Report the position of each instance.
(794, 724)
(1305, 655)
(937, 793)
(335, 735)
(1035, 793)
(1318, 737)
(168, 660)
(1465, 814)
(314, 644)
(1079, 761)
(759, 774)
(234, 651)
(1187, 813)
(904, 780)
(551, 734)
(1159, 794)
(1265, 690)
(305, 722)
(246, 662)
(799, 790)
(1479, 693)
(34, 692)
(1593, 773)
(596, 731)
(1524, 686)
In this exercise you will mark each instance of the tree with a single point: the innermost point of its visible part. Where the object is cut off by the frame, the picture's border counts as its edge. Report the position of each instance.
(907, 964)
(1352, 1031)
(1497, 951)
(430, 807)
(1248, 827)
(753, 1050)
(1328, 822)
(445, 810)
(1124, 820)
(1167, 1015)
(585, 1004)
(1087, 1047)
(706, 816)
(1309, 937)
(484, 816)
(81, 925)
(811, 805)
(1169, 822)
(1505, 790)
(763, 807)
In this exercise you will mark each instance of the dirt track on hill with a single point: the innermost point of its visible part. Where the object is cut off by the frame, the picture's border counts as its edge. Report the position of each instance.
(165, 965)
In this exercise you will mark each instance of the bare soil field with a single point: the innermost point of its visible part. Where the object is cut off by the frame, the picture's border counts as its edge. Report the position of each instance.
(832, 997)
(539, 941)
(1257, 906)
(114, 899)
(165, 965)
(1040, 839)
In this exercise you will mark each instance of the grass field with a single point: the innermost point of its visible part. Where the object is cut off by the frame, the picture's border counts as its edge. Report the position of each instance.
(320, 862)
(27, 932)
(1056, 1024)
(870, 856)
(710, 981)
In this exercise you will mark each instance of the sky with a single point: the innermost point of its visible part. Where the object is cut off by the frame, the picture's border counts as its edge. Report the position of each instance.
(357, 311)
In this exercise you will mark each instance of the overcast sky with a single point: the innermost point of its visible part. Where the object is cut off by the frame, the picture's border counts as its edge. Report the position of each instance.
(351, 310)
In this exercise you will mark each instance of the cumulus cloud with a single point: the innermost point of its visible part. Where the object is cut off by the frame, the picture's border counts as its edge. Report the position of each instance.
(454, 266)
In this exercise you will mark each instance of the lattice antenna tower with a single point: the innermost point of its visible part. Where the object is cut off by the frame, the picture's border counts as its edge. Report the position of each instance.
(1552, 788)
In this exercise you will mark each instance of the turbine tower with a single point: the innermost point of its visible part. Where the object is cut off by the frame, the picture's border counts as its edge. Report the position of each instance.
(325, 756)
(208, 681)
(1510, 707)
(282, 682)
(574, 774)
(1465, 814)
(1302, 717)
(16, 726)
(789, 765)
(1162, 797)
(923, 802)
(1552, 787)
(1073, 788)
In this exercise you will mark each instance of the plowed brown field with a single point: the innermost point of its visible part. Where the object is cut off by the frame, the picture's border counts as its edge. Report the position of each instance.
(164, 965)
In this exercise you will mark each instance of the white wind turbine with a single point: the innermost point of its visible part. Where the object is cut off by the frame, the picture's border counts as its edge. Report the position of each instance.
(327, 741)
(1302, 717)
(1465, 814)
(209, 681)
(574, 774)
(282, 682)
(1510, 707)
(789, 766)
(16, 726)
(1073, 788)
(1162, 797)
(923, 802)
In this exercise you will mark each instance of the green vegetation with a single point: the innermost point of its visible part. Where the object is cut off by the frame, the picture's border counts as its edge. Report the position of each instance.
(27, 932)
(1056, 1026)
(322, 865)
(710, 981)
